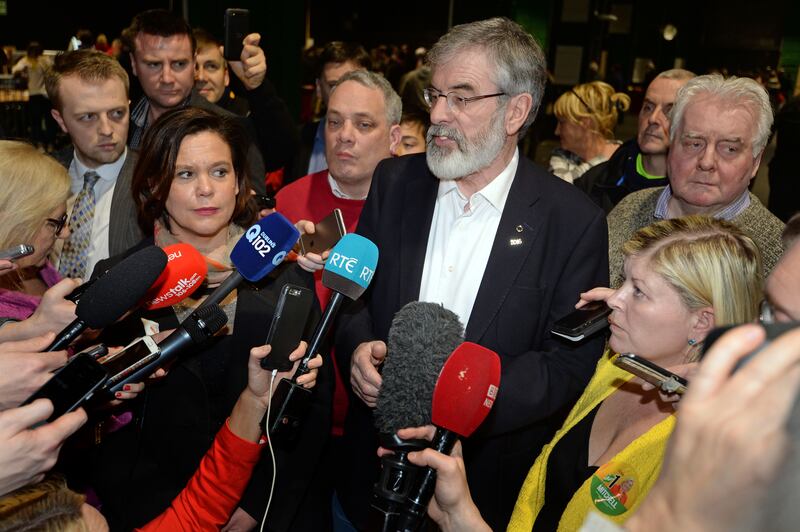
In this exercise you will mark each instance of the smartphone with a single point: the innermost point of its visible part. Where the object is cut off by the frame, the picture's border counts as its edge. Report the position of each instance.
(326, 234)
(237, 26)
(118, 366)
(71, 385)
(16, 252)
(773, 330)
(264, 202)
(583, 322)
(652, 373)
(288, 324)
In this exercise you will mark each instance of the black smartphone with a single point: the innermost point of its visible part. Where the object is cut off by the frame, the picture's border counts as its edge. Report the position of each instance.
(16, 252)
(773, 330)
(237, 26)
(264, 202)
(326, 234)
(288, 324)
(583, 322)
(652, 373)
(72, 385)
(120, 365)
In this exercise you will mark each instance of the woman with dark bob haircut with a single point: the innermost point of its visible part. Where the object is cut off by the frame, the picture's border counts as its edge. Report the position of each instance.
(190, 185)
(159, 156)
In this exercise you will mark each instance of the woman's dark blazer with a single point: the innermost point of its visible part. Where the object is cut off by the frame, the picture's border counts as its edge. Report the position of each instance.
(138, 470)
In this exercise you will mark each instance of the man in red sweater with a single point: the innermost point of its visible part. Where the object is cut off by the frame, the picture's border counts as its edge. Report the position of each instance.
(361, 129)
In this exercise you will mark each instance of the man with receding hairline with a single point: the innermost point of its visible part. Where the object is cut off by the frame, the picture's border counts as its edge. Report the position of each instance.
(641, 162)
(89, 93)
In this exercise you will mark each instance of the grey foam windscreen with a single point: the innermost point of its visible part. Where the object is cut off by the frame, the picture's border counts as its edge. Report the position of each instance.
(421, 338)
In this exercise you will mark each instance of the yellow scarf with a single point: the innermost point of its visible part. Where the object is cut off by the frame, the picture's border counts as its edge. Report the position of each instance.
(618, 487)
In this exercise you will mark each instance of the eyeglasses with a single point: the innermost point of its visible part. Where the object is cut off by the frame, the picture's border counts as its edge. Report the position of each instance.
(455, 102)
(57, 224)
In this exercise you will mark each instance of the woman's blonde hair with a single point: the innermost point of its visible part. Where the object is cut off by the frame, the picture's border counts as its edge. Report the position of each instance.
(709, 262)
(47, 506)
(32, 185)
(596, 101)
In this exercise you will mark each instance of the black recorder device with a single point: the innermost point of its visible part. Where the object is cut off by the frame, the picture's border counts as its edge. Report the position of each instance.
(583, 322)
(288, 324)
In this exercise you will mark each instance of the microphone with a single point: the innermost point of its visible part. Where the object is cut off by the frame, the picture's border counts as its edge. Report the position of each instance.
(420, 340)
(258, 252)
(185, 272)
(348, 272)
(111, 295)
(464, 394)
(198, 327)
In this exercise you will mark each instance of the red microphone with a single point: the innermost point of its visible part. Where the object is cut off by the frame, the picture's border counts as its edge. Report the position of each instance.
(185, 272)
(464, 394)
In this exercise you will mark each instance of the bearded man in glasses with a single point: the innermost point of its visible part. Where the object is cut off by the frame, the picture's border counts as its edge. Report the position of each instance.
(474, 226)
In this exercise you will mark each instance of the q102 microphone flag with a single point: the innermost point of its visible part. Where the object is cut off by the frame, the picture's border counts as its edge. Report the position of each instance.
(264, 246)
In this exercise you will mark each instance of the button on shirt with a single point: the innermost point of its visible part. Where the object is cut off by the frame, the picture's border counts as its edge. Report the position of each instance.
(460, 241)
(103, 192)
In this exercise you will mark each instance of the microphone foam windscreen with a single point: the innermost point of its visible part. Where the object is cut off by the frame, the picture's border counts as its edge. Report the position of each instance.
(185, 272)
(421, 338)
(263, 246)
(350, 265)
(121, 287)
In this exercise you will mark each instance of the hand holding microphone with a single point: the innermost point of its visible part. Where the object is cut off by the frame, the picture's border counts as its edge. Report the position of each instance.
(113, 294)
(465, 393)
(348, 272)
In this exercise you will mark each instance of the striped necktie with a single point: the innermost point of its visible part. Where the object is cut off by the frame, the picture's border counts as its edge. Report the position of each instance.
(75, 253)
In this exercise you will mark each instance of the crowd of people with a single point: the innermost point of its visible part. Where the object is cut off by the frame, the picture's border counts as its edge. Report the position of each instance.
(423, 160)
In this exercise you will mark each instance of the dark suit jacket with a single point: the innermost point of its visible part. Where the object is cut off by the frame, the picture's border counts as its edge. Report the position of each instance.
(525, 287)
(123, 229)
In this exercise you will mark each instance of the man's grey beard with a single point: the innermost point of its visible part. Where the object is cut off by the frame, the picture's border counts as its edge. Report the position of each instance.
(467, 157)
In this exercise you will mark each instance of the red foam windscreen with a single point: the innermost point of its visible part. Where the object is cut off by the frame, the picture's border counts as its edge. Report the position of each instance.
(466, 389)
(185, 272)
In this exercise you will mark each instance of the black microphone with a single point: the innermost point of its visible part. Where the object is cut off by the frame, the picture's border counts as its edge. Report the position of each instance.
(348, 272)
(420, 340)
(113, 294)
(198, 327)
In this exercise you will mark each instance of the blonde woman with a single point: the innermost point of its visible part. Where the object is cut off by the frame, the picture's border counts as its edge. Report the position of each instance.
(587, 115)
(33, 210)
(684, 277)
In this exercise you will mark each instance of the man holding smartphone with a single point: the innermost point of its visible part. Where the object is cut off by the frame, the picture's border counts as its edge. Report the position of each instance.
(162, 51)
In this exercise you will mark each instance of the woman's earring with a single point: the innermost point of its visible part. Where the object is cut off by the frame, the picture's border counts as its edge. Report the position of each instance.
(692, 341)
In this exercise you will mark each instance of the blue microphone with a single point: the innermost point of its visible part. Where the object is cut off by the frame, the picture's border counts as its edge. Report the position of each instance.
(348, 272)
(262, 247)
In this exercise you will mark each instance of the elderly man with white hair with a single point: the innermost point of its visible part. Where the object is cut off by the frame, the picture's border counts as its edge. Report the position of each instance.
(719, 129)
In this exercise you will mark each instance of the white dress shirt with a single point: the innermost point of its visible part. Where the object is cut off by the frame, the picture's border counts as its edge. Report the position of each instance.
(460, 241)
(103, 192)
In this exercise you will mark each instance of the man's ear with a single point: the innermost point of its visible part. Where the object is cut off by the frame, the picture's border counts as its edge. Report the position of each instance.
(133, 64)
(517, 111)
(227, 74)
(395, 136)
(59, 119)
(318, 88)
